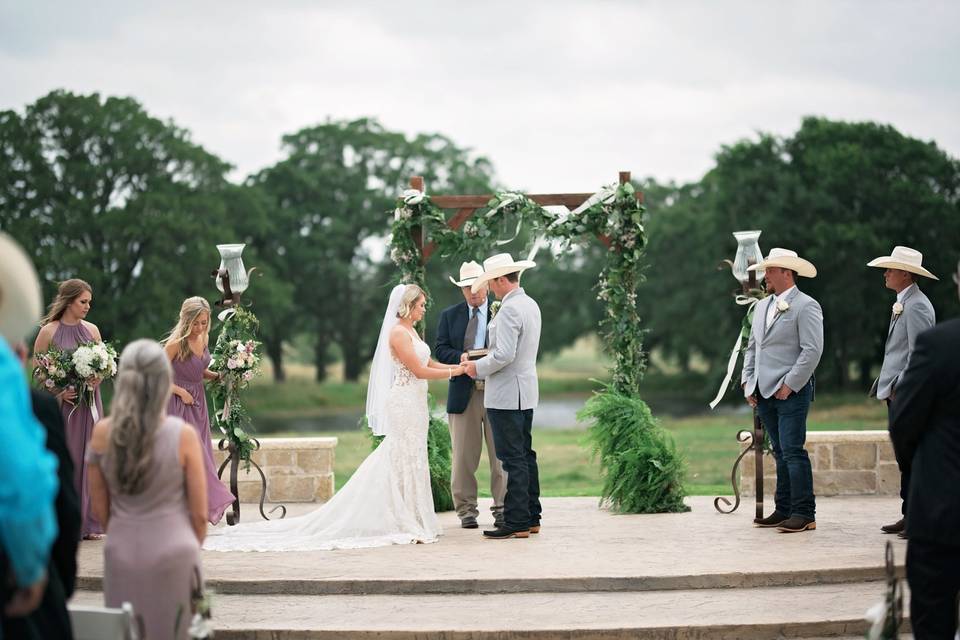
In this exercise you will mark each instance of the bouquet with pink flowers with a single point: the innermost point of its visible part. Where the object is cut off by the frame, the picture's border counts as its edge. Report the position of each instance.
(81, 370)
(239, 361)
(236, 357)
(52, 370)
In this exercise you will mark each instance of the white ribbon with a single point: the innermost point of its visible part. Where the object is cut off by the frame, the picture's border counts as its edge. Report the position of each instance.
(412, 196)
(749, 302)
(605, 195)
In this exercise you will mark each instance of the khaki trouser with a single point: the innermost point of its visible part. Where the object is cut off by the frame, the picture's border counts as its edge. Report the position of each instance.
(468, 430)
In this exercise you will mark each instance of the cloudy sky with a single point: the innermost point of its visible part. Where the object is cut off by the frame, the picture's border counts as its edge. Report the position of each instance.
(560, 95)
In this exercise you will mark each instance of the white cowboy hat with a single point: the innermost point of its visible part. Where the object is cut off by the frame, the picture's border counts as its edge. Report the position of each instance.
(500, 265)
(786, 259)
(21, 303)
(469, 271)
(905, 259)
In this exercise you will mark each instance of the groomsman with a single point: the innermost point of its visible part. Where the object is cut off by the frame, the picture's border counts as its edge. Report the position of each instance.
(462, 328)
(912, 314)
(783, 351)
(512, 392)
(925, 429)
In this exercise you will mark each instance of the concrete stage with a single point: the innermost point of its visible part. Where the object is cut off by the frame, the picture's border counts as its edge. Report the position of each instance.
(588, 574)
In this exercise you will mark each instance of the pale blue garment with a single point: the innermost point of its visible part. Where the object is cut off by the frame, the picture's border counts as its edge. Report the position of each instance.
(28, 477)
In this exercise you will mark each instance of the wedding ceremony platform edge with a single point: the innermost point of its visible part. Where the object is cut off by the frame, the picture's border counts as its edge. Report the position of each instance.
(588, 574)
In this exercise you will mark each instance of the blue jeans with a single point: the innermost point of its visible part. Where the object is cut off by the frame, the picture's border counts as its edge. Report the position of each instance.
(786, 422)
(512, 438)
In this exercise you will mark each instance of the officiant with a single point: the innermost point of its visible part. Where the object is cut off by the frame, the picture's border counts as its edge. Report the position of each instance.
(463, 329)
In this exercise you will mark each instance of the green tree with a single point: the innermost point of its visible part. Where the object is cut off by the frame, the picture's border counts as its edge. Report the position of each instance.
(98, 189)
(330, 199)
(840, 194)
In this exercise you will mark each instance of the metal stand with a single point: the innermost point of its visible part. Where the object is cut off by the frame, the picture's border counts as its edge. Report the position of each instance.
(756, 445)
(234, 461)
(231, 299)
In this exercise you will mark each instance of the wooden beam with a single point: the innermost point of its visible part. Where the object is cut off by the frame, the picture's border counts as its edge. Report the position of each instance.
(569, 200)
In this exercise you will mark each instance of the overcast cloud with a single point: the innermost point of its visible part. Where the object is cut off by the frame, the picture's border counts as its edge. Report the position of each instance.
(559, 95)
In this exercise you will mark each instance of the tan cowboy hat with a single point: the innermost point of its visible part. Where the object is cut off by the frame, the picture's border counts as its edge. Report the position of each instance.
(905, 259)
(469, 271)
(786, 259)
(21, 303)
(500, 265)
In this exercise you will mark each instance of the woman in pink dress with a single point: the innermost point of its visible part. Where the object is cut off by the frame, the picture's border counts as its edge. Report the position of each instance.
(147, 486)
(65, 327)
(186, 347)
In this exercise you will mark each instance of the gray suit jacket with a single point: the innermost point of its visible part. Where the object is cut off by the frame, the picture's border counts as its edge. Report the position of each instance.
(510, 369)
(918, 316)
(788, 351)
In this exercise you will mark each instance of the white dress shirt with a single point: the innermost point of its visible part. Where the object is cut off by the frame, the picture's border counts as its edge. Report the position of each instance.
(772, 309)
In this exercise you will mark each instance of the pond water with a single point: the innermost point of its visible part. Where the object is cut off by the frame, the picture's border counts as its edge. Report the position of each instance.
(557, 412)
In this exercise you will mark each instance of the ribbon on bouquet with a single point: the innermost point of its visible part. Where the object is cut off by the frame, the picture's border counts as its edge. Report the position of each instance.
(750, 303)
(224, 415)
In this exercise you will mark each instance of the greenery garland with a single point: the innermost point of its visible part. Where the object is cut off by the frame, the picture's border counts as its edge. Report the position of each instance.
(236, 357)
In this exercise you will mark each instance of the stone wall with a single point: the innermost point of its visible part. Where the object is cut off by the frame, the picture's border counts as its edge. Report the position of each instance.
(297, 470)
(845, 463)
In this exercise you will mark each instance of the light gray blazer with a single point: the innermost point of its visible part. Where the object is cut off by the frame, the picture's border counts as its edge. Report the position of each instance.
(788, 351)
(918, 316)
(510, 369)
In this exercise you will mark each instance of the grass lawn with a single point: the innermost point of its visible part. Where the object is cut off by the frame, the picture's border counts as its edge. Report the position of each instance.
(707, 441)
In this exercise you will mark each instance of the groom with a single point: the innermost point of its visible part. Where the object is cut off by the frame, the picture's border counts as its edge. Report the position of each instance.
(510, 372)
(463, 328)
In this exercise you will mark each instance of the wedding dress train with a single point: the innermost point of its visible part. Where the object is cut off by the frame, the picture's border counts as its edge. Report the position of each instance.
(387, 500)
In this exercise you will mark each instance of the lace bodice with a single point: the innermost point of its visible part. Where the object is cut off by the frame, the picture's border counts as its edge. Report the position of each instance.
(402, 375)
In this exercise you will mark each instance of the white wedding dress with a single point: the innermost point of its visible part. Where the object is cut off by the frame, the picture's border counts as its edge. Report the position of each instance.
(387, 500)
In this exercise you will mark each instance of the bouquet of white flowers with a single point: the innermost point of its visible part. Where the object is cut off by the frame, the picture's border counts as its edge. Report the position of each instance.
(91, 364)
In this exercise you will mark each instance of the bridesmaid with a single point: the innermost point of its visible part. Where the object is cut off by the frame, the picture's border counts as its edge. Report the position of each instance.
(65, 327)
(186, 347)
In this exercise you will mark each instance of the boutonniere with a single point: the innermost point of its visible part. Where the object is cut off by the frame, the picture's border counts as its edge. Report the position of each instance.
(897, 308)
(782, 305)
(494, 307)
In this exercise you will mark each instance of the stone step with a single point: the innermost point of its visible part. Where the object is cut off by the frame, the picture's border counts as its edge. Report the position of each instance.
(815, 611)
(254, 585)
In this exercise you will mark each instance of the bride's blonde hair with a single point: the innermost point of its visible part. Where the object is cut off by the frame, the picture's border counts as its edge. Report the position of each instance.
(190, 310)
(410, 296)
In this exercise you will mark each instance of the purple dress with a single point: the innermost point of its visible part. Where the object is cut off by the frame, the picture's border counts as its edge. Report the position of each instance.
(78, 421)
(151, 555)
(189, 375)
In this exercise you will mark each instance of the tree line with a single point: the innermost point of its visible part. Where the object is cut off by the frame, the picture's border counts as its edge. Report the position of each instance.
(97, 188)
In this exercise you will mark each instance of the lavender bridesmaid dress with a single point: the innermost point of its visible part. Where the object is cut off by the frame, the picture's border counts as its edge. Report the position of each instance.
(78, 421)
(151, 555)
(189, 375)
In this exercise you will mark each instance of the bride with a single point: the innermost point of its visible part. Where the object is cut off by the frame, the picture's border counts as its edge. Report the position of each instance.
(388, 499)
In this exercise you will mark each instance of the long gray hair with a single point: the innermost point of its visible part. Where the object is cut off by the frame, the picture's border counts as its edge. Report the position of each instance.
(142, 390)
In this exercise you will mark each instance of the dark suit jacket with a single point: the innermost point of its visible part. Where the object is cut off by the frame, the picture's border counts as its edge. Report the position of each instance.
(50, 620)
(925, 429)
(449, 347)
